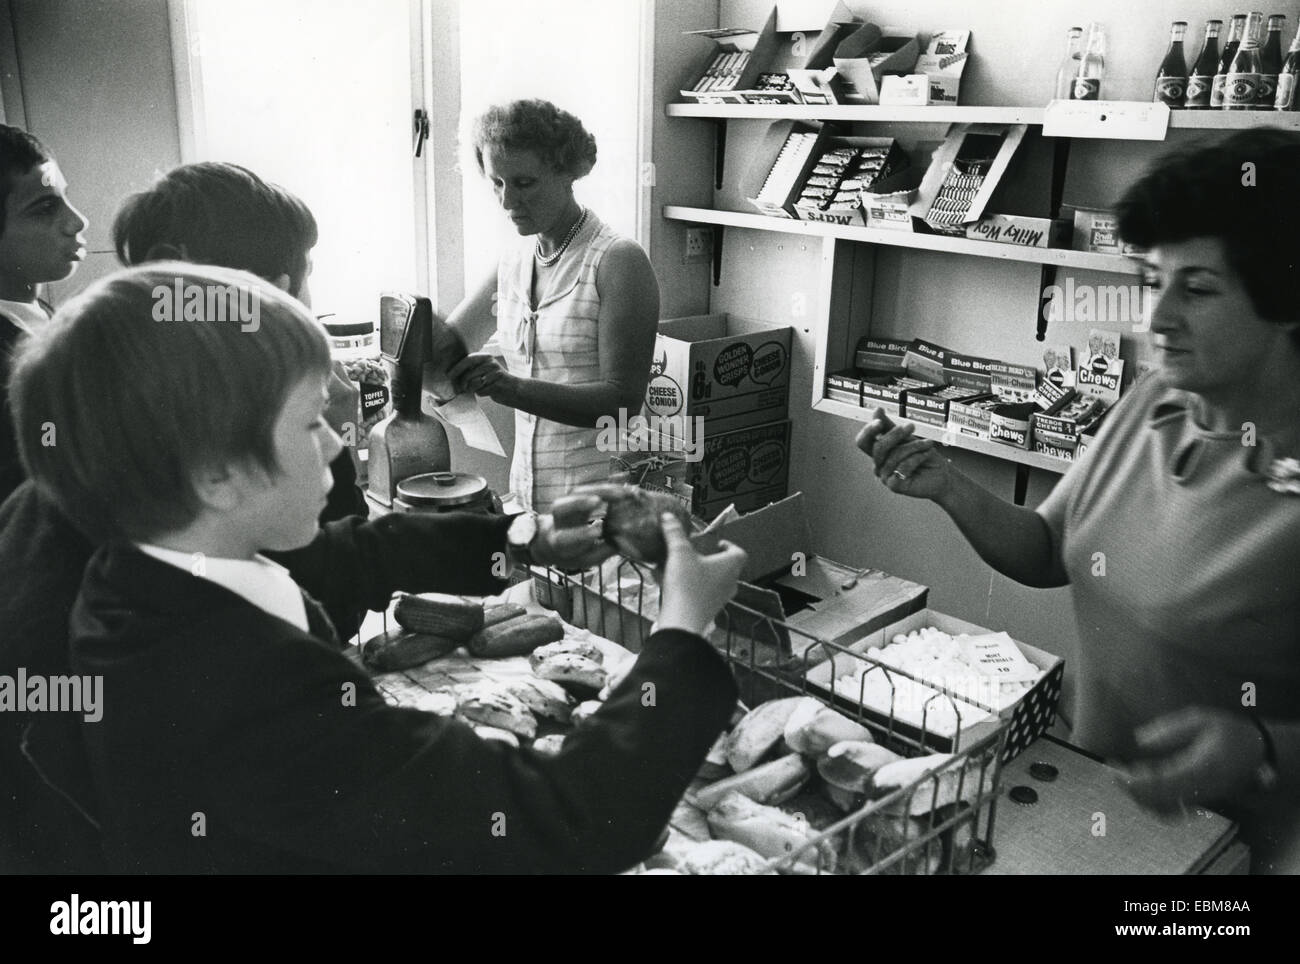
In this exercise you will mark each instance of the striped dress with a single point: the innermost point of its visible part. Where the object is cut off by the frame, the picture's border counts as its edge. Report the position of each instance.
(556, 341)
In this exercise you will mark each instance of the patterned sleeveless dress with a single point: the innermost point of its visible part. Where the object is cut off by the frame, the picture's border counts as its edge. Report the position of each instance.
(555, 340)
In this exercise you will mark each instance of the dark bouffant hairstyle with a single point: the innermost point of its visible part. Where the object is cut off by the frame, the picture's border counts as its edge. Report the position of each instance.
(220, 214)
(555, 135)
(1238, 189)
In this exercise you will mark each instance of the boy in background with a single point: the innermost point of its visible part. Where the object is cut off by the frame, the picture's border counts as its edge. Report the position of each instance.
(40, 242)
(222, 214)
(219, 702)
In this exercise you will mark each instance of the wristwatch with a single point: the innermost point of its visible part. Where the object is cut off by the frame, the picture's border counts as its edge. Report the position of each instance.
(1266, 775)
(520, 536)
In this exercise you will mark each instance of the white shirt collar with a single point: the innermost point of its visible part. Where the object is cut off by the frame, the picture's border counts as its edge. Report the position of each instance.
(27, 315)
(265, 584)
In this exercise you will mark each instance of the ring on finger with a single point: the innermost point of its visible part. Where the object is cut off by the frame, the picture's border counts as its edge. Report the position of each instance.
(899, 474)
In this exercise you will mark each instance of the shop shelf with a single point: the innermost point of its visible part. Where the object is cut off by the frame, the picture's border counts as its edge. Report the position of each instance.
(1061, 257)
(993, 449)
(939, 114)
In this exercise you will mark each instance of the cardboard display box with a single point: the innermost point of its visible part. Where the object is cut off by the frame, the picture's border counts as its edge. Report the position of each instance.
(749, 467)
(728, 370)
(845, 386)
(882, 354)
(1097, 231)
(942, 65)
(1031, 715)
(770, 51)
(815, 599)
(1009, 423)
(889, 205)
(865, 56)
(958, 168)
(895, 162)
(970, 416)
(782, 163)
(931, 406)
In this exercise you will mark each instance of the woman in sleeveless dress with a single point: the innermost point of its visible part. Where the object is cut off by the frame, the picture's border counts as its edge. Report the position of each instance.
(575, 306)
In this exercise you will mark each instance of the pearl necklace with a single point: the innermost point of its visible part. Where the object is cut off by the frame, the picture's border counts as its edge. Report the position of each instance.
(546, 260)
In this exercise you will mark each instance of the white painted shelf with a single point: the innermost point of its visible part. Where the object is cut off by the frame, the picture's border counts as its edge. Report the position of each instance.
(1062, 257)
(993, 449)
(938, 114)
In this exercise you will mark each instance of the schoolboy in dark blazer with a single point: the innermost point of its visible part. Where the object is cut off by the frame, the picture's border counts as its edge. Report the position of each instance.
(231, 739)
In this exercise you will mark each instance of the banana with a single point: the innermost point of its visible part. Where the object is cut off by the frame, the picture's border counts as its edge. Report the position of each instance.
(761, 729)
(773, 782)
(770, 832)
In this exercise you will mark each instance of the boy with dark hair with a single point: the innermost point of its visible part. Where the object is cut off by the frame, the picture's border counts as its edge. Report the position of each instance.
(40, 241)
(220, 703)
(222, 214)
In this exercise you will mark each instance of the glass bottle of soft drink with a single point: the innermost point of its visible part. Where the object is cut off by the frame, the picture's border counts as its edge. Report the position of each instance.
(1285, 98)
(1171, 77)
(1070, 65)
(1241, 89)
(1270, 62)
(1087, 82)
(1201, 77)
(1235, 31)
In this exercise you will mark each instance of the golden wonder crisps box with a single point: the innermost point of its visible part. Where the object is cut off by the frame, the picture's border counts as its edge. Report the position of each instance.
(727, 370)
(749, 467)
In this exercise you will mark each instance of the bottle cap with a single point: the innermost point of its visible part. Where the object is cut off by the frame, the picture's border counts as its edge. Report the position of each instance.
(1043, 771)
(1025, 796)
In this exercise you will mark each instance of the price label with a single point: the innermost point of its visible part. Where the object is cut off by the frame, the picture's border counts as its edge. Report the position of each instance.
(1114, 119)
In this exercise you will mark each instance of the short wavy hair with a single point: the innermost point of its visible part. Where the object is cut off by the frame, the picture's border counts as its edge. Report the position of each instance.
(554, 135)
(1203, 191)
(116, 403)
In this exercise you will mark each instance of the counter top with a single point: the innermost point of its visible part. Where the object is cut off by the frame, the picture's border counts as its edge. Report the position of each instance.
(1085, 823)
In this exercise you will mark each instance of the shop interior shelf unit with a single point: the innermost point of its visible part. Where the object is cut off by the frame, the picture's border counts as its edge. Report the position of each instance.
(938, 114)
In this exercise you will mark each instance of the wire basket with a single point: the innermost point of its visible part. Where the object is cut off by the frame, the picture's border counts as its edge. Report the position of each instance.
(940, 823)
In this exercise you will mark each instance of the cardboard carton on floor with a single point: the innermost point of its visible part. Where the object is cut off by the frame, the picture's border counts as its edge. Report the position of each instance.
(728, 370)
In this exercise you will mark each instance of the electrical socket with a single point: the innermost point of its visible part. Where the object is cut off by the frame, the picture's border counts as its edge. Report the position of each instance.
(698, 242)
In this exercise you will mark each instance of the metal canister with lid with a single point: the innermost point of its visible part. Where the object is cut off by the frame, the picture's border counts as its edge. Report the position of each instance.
(446, 492)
